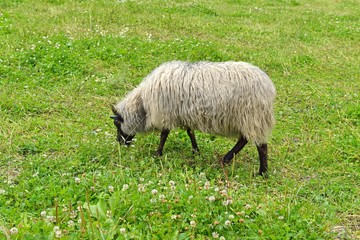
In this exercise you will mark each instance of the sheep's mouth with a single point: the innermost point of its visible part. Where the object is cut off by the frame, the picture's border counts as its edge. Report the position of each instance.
(125, 139)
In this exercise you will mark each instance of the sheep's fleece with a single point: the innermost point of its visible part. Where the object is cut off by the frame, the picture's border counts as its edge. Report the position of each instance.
(225, 98)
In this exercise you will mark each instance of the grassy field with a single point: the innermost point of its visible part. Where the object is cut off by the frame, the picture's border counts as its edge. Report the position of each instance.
(63, 175)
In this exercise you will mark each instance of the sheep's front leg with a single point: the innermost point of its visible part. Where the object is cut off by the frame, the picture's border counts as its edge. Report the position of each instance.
(262, 150)
(237, 148)
(194, 145)
(163, 136)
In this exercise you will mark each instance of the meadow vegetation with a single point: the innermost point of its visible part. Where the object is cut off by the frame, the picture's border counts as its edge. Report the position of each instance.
(64, 176)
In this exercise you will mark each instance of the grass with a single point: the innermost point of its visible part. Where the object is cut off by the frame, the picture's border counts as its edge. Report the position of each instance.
(62, 174)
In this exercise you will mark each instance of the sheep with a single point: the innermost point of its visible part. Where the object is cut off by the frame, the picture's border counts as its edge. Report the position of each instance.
(233, 99)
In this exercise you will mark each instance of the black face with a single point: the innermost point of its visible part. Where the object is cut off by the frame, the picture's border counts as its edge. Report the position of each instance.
(121, 136)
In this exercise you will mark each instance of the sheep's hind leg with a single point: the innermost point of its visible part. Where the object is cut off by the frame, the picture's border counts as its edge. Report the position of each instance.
(237, 148)
(163, 136)
(194, 145)
(262, 150)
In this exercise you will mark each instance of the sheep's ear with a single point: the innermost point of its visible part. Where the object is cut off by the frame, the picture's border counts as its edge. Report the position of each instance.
(113, 108)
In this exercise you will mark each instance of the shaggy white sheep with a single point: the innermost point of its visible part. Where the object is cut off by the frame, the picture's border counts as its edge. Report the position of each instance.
(225, 98)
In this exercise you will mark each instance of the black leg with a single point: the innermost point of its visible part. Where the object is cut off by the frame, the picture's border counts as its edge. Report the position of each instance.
(163, 137)
(237, 148)
(194, 145)
(262, 150)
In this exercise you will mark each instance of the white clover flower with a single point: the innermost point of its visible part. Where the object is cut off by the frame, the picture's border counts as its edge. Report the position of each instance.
(111, 188)
(281, 217)
(153, 200)
(215, 235)
(141, 179)
(70, 223)
(51, 219)
(231, 217)
(141, 188)
(122, 230)
(173, 217)
(77, 180)
(43, 214)
(154, 192)
(222, 238)
(223, 192)
(211, 198)
(207, 185)
(192, 223)
(190, 197)
(227, 223)
(171, 183)
(58, 233)
(14, 231)
(73, 214)
(162, 197)
(247, 206)
(227, 202)
(125, 187)
(216, 189)
(2, 191)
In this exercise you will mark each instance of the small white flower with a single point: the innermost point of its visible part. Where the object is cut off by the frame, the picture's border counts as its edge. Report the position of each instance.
(14, 231)
(125, 187)
(247, 206)
(190, 197)
(192, 223)
(122, 230)
(216, 189)
(111, 188)
(77, 180)
(141, 188)
(2, 191)
(141, 179)
(153, 200)
(231, 217)
(58, 233)
(223, 192)
(71, 223)
(162, 197)
(51, 219)
(171, 183)
(281, 217)
(207, 185)
(222, 238)
(215, 235)
(211, 198)
(227, 202)
(193, 215)
(173, 217)
(43, 214)
(227, 223)
(154, 192)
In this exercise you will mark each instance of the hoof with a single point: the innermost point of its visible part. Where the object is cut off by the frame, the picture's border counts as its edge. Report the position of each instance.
(157, 154)
(226, 160)
(263, 174)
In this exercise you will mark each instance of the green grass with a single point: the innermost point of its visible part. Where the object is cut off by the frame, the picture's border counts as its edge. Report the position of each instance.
(63, 175)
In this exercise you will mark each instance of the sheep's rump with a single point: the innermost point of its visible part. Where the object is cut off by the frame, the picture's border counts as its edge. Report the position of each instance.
(225, 98)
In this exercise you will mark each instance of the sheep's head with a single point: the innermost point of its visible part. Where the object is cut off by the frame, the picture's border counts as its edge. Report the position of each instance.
(122, 137)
